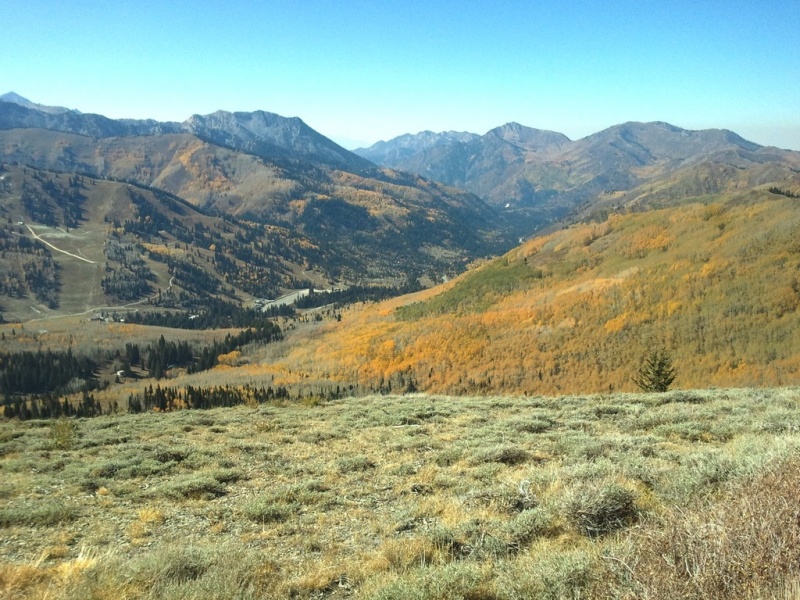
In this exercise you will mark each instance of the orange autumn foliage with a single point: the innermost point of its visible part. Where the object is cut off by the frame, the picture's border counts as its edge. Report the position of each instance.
(717, 286)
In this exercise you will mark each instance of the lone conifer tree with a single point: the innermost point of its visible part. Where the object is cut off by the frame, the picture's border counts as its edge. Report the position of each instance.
(656, 373)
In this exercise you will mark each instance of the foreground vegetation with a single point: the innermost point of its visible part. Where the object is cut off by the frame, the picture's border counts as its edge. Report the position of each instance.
(688, 494)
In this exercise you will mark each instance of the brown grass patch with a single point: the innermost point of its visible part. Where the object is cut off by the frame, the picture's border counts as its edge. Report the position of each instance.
(743, 544)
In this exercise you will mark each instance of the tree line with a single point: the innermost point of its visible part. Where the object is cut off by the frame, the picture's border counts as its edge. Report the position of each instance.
(31, 383)
(215, 314)
(164, 355)
(50, 406)
(787, 193)
(165, 399)
(44, 371)
(355, 293)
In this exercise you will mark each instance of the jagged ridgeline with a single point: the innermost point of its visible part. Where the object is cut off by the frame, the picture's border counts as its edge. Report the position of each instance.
(336, 215)
(538, 175)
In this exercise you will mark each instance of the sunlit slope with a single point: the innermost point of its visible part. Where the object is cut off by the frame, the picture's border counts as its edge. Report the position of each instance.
(716, 285)
(73, 245)
(374, 224)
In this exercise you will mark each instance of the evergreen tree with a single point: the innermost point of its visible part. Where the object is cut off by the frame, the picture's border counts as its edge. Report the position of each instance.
(656, 373)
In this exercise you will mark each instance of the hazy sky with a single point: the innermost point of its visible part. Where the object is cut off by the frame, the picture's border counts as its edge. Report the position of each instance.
(360, 71)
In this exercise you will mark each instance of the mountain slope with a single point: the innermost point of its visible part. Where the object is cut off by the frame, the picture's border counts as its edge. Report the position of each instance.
(371, 223)
(716, 284)
(626, 155)
(543, 176)
(74, 244)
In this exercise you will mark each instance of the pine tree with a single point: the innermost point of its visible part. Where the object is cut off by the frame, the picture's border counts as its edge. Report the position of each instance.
(656, 373)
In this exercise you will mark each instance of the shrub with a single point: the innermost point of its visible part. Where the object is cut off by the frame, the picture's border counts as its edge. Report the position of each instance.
(507, 455)
(44, 514)
(404, 554)
(596, 510)
(548, 574)
(268, 510)
(534, 425)
(174, 572)
(355, 463)
(686, 397)
(528, 525)
(744, 544)
(171, 567)
(446, 542)
(455, 581)
(228, 475)
(448, 457)
(484, 540)
(168, 455)
(62, 434)
(195, 487)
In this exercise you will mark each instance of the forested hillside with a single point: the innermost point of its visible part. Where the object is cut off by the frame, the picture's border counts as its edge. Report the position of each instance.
(73, 243)
(373, 225)
(715, 284)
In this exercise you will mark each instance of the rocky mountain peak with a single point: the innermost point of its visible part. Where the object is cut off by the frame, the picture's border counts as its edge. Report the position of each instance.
(528, 138)
(15, 98)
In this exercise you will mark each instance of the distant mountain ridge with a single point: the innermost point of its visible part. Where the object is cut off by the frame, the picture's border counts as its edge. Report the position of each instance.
(544, 175)
(14, 115)
(407, 145)
(267, 134)
(19, 100)
(377, 223)
(410, 211)
(260, 133)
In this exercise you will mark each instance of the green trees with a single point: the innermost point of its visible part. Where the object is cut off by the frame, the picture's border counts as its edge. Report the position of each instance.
(656, 373)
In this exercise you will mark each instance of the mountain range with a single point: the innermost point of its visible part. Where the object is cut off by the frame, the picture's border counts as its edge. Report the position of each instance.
(432, 204)
(381, 225)
(545, 176)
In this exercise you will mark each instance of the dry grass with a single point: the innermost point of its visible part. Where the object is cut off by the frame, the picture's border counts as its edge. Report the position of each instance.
(410, 497)
(744, 543)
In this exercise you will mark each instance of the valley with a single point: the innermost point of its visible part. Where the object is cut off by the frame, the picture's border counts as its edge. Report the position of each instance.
(240, 361)
(693, 251)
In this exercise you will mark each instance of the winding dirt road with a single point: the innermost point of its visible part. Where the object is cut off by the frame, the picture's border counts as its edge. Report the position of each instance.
(46, 243)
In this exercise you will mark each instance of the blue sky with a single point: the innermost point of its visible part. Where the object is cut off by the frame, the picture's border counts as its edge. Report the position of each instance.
(360, 71)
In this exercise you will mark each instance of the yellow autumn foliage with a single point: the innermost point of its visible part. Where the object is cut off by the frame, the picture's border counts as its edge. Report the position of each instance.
(718, 288)
(230, 359)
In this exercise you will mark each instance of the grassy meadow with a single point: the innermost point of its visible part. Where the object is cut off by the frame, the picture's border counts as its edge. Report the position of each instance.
(686, 494)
